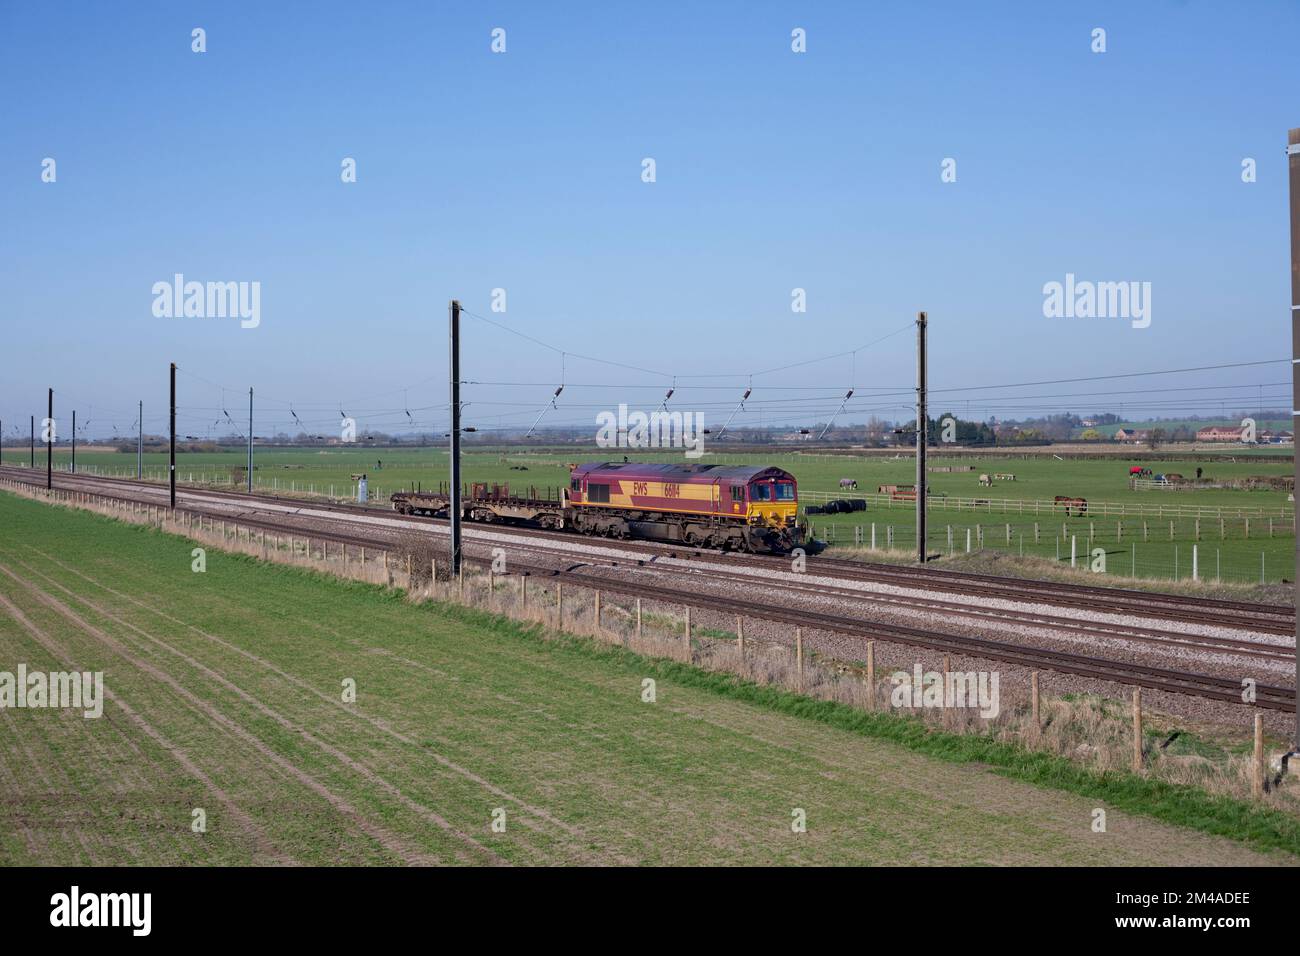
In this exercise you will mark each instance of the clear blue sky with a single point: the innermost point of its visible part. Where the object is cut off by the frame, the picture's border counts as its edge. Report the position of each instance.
(523, 171)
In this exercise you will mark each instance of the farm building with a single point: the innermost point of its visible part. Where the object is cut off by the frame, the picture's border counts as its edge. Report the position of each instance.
(1131, 434)
(1219, 433)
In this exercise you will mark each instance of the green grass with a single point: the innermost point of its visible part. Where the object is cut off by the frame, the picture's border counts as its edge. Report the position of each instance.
(1239, 556)
(1039, 475)
(554, 731)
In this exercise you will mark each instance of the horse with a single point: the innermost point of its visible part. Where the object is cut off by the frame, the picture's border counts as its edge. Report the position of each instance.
(1081, 504)
(848, 484)
(986, 481)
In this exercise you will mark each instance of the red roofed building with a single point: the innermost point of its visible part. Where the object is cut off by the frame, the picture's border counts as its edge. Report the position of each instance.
(1219, 433)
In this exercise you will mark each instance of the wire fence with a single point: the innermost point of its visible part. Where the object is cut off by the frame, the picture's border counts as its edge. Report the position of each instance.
(1160, 560)
(1047, 507)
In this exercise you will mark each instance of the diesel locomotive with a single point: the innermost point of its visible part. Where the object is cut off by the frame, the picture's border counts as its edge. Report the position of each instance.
(709, 506)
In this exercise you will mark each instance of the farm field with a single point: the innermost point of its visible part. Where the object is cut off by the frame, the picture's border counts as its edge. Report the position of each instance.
(224, 694)
(1152, 539)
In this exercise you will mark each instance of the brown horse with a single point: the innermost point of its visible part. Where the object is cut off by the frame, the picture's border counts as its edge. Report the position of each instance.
(1079, 504)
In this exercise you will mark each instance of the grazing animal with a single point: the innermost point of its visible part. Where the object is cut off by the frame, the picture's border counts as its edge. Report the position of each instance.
(986, 481)
(848, 483)
(1079, 505)
(1005, 476)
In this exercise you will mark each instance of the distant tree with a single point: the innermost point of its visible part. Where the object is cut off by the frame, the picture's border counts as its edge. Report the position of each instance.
(1155, 438)
(1090, 434)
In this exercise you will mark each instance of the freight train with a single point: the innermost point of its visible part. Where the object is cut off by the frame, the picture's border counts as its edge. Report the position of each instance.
(709, 506)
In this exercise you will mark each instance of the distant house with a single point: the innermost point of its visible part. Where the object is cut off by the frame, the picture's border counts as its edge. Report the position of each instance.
(1131, 434)
(1219, 433)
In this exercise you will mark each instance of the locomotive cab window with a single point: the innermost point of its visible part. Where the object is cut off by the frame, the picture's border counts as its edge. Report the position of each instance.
(575, 484)
(737, 492)
(598, 493)
(760, 493)
(785, 491)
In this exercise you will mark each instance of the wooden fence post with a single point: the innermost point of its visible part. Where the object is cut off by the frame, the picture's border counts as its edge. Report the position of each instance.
(1137, 729)
(1033, 697)
(740, 636)
(1257, 774)
(687, 635)
(871, 675)
(559, 604)
(798, 652)
(596, 611)
(638, 619)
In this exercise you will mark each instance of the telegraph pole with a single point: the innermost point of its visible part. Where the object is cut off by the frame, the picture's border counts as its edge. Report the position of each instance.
(139, 444)
(171, 471)
(49, 444)
(922, 430)
(74, 441)
(1293, 161)
(453, 507)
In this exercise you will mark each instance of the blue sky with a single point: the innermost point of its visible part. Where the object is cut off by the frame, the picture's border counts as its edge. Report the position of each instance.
(522, 171)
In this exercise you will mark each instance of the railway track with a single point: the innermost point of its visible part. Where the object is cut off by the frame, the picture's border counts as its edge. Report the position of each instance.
(1200, 610)
(726, 566)
(1190, 683)
(1273, 618)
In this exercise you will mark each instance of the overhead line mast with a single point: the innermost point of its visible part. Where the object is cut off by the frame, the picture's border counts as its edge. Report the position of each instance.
(1293, 162)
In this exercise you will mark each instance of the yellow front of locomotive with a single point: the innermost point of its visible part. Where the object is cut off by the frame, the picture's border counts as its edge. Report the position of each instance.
(774, 508)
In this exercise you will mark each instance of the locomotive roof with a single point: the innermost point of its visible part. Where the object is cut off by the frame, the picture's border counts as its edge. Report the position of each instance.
(649, 471)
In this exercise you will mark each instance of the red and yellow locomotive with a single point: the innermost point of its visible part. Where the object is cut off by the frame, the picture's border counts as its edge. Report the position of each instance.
(711, 506)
